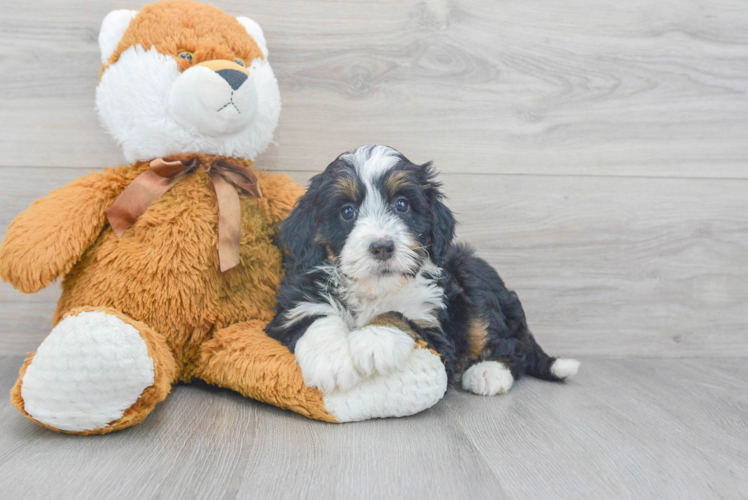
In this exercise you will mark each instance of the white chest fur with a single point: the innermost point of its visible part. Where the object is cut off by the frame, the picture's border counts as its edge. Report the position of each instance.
(418, 298)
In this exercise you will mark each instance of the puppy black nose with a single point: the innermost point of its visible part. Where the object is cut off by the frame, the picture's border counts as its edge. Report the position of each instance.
(233, 77)
(382, 249)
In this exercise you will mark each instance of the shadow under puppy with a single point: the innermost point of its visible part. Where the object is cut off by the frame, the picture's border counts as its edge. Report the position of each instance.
(371, 268)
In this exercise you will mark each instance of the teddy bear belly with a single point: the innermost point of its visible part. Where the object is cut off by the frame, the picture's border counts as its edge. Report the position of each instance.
(166, 274)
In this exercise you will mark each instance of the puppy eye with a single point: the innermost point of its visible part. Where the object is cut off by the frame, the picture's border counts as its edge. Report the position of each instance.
(186, 55)
(402, 205)
(347, 212)
(240, 62)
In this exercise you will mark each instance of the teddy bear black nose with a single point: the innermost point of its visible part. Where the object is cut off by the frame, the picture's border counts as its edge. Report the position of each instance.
(233, 77)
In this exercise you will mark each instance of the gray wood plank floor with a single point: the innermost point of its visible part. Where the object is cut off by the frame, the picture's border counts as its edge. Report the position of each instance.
(633, 428)
(631, 267)
(596, 153)
(574, 87)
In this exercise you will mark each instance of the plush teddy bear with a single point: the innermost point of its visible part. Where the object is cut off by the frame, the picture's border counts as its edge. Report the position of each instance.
(169, 264)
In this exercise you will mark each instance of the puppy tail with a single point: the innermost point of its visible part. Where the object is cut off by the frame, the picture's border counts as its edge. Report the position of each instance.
(545, 367)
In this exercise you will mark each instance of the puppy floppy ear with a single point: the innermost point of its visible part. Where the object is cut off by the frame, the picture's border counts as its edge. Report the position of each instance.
(297, 234)
(442, 230)
(442, 220)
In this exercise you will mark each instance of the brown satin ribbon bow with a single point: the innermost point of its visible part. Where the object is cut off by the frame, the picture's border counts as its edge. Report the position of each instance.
(164, 173)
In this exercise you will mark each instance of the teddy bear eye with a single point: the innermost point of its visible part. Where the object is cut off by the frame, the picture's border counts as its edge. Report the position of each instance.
(240, 62)
(187, 56)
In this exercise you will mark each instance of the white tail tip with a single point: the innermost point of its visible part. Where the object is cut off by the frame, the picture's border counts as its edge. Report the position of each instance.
(564, 367)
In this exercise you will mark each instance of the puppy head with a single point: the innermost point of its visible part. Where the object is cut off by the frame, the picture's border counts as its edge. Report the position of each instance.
(377, 216)
(185, 77)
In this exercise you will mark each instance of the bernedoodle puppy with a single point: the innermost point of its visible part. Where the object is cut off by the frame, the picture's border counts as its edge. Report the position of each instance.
(371, 268)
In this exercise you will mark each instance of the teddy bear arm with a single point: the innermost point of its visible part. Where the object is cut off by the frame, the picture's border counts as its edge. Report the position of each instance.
(242, 357)
(281, 193)
(49, 237)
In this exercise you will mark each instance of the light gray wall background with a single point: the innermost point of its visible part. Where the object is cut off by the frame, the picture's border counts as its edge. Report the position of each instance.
(596, 152)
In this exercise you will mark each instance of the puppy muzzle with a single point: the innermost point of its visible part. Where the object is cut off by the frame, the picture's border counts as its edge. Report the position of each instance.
(382, 249)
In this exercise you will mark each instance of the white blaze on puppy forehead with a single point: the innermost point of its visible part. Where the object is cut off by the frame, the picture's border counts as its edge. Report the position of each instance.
(371, 162)
(376, 221)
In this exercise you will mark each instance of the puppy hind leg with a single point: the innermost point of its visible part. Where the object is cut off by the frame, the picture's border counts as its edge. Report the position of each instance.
(509, 337)
(501, 350)
(497, 327)
(490, 369)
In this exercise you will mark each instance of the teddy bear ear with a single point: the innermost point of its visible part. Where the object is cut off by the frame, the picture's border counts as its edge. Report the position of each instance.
(255, 32)
(112, 30)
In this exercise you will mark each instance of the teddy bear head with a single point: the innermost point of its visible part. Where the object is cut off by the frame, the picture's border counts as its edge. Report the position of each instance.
(184, 77)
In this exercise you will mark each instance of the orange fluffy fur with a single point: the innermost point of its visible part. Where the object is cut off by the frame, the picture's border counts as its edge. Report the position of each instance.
(163, 275)
(205, 31)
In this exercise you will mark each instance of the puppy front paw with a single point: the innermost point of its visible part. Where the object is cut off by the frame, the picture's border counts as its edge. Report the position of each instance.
(381, 349)
(324, 356)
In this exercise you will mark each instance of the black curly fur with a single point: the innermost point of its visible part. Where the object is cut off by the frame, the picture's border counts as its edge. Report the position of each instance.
(474, 293)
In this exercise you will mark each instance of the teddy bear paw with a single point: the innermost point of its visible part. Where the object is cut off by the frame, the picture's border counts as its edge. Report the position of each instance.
(90, 369)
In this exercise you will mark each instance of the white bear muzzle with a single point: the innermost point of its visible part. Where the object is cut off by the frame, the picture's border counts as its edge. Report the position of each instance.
(214, 98)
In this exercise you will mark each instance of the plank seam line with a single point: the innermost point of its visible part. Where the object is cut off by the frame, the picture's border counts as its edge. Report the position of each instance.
(475, 174)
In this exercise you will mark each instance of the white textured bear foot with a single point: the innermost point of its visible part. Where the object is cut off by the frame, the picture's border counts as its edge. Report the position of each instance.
(487, 378)
(418, 385)
(380, 349)
(324, 356)
(90, 369)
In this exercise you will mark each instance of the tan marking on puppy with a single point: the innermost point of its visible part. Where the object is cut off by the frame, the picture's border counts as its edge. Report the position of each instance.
(348, 187)
(478, 337)
(394, 320)
(397, 320)
(325, 244)
(423, 345)
(395, 182)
